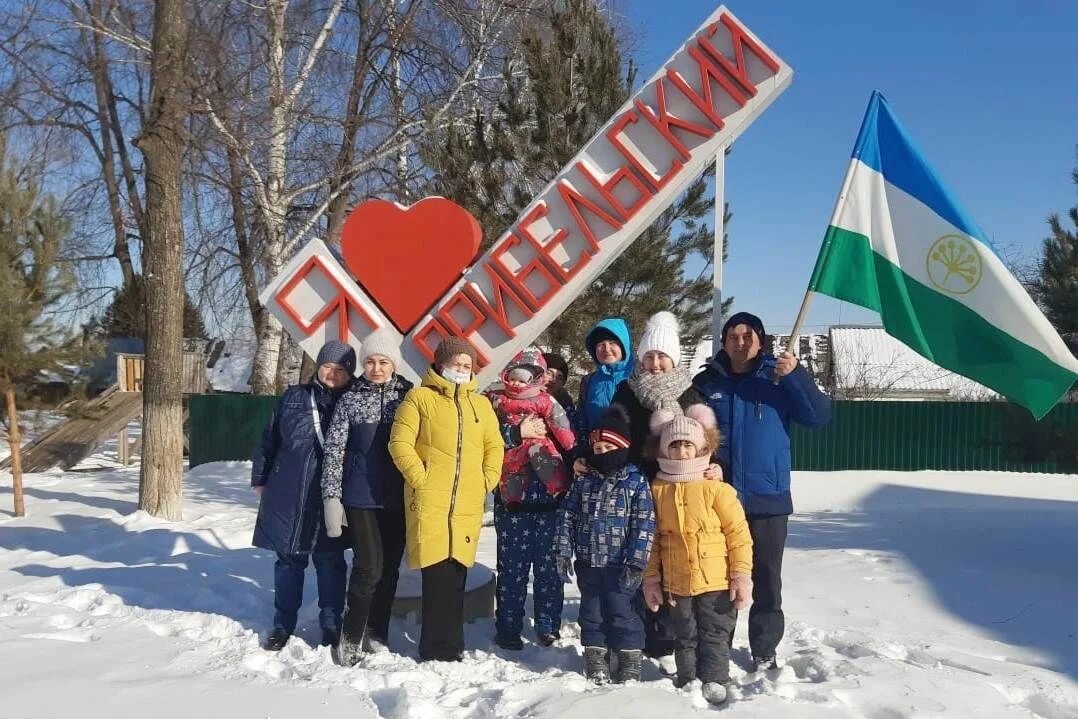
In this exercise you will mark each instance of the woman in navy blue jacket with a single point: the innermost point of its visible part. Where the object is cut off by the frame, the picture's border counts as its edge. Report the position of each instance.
(755, 397)
(286, 471)
(363, 488)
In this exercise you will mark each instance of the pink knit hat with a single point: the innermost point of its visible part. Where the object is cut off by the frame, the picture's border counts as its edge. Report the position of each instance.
(690, 426)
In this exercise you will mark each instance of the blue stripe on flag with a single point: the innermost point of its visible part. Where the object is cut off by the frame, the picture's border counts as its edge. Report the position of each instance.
(884, 145)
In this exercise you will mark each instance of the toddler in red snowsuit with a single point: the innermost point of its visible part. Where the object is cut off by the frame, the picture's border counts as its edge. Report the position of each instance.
(524, 395)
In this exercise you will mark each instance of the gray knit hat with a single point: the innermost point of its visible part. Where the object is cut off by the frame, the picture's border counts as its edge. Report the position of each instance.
(383, 342)
(339, 353)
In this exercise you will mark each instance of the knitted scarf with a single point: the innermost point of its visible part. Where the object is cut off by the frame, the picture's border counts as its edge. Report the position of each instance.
(656, 391)
(682, 470)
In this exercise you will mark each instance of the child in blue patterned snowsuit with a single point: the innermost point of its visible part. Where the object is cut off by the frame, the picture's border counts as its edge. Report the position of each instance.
(608, 522)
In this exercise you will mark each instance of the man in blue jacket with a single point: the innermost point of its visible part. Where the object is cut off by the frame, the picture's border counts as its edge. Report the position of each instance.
(755, 397)
(286, 474)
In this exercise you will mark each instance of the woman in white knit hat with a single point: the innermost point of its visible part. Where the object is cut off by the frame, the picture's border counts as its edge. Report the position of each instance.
(361, 487)
(657, 382)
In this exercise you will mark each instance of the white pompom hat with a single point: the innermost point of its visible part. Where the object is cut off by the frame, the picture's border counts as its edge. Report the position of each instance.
(661, 334)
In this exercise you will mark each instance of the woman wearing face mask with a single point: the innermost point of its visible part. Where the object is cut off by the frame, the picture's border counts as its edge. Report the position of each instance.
(361, 487)
(446, 443)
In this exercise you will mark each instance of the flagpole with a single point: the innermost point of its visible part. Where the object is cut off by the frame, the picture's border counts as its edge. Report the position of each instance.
(795, 333)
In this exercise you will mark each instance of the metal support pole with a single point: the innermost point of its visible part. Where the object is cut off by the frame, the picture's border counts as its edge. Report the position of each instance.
(720, 231)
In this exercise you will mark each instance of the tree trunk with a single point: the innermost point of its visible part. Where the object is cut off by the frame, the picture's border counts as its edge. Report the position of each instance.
(15, 442)
(99, 66)
(247, 257)
(270, 331)
(338, 186)
(162, 144)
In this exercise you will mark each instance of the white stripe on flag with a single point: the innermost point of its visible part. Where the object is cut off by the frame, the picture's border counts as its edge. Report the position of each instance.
(902, 229)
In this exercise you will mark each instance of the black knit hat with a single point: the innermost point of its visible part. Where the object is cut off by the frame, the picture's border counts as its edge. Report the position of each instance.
(601, 334)
(744, 318)
(556, 361)
(612, 426)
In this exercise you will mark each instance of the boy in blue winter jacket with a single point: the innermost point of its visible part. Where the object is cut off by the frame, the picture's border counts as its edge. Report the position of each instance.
(755, 397)
(608, 522)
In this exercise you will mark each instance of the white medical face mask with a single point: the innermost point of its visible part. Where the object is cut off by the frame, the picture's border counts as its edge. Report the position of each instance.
(454, 376)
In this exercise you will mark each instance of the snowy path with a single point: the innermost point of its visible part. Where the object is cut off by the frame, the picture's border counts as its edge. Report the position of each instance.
(907, 595)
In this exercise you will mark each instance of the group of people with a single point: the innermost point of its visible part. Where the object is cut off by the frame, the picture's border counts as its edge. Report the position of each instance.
(664, 494)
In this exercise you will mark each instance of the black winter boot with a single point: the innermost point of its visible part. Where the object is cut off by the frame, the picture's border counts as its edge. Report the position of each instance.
(686, 667)
(276, 640)
(329, 638)
(764, 664)
(513, 642)
(596, 666)
(546, 639)
(348, 651)
(629, 662)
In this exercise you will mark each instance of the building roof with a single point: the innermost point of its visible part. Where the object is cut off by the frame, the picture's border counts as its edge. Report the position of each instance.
(869, 361)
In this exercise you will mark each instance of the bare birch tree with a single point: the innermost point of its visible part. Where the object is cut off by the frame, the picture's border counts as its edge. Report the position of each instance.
(409, 64)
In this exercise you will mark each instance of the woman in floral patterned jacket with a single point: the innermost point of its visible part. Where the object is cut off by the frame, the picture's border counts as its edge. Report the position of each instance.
(361, 487)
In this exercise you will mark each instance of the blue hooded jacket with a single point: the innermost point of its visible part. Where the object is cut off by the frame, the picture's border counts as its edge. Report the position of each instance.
(754, 416)
(597, 389)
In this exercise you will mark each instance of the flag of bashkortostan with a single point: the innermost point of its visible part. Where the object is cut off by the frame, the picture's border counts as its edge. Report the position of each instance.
(901, 245)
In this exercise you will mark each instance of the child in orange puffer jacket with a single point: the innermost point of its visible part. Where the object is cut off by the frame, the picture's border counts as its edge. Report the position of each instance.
(701, 564)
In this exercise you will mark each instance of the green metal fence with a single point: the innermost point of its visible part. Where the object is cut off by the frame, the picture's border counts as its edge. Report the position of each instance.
(226, 426)
(861, 435)
(938, 435)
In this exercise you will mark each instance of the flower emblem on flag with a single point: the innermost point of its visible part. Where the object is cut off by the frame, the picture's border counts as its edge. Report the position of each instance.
(954, 264)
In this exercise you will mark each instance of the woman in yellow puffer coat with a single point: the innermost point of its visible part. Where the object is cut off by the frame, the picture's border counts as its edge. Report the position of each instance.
(701, 562)
(446, 443)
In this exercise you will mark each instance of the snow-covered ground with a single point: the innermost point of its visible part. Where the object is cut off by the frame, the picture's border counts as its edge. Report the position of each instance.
(907, 595)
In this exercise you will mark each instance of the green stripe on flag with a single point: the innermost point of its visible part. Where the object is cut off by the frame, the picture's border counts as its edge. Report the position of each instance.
(937, 326)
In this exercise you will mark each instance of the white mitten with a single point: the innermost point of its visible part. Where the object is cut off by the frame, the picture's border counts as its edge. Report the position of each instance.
(334, 514)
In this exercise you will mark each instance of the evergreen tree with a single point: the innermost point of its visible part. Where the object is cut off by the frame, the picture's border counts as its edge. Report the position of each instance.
(1056, 284)
(574, 79)
(126, 316)
(33, 282)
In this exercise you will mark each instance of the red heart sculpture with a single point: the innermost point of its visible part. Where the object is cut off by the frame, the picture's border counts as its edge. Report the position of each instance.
(407, 257)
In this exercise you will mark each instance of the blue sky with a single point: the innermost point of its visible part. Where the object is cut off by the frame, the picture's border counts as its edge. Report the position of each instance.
(989, 90)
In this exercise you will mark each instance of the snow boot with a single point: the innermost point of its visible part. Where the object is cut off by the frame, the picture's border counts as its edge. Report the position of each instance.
(348, 651)
(596, 667)
(760, 664)
(629, 662)
(686, 667)
(667, 665)
(329, 638)
(547, 638)
(276, 640)
(512, 642)
(715, 692)
(374, 645)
